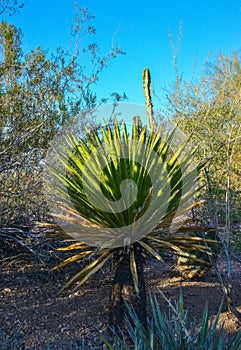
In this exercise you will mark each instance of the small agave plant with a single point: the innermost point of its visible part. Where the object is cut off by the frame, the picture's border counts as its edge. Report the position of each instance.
(155, 215)
(173, 330)
(193, 265)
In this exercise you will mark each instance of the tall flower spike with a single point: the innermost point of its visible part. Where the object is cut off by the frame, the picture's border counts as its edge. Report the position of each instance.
(146, 79)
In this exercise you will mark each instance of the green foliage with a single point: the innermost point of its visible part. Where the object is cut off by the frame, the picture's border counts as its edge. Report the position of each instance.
(39, 92)
(169, 190)
(172, 331)
(210, 109)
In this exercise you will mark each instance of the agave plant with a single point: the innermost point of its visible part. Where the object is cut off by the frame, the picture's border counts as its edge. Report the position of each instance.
(192, 265)
(173, 330)
(155, 211)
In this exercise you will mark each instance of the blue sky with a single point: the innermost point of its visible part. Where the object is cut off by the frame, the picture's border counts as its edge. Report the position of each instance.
(142, 30)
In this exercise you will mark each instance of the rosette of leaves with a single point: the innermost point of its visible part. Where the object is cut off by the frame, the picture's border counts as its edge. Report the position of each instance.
(195, 264)
(128, 261)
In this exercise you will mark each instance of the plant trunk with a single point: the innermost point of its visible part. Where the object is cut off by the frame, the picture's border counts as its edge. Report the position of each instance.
(123, 290)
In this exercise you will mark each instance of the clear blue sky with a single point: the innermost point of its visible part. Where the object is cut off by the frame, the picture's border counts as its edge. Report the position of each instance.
(143, 28)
